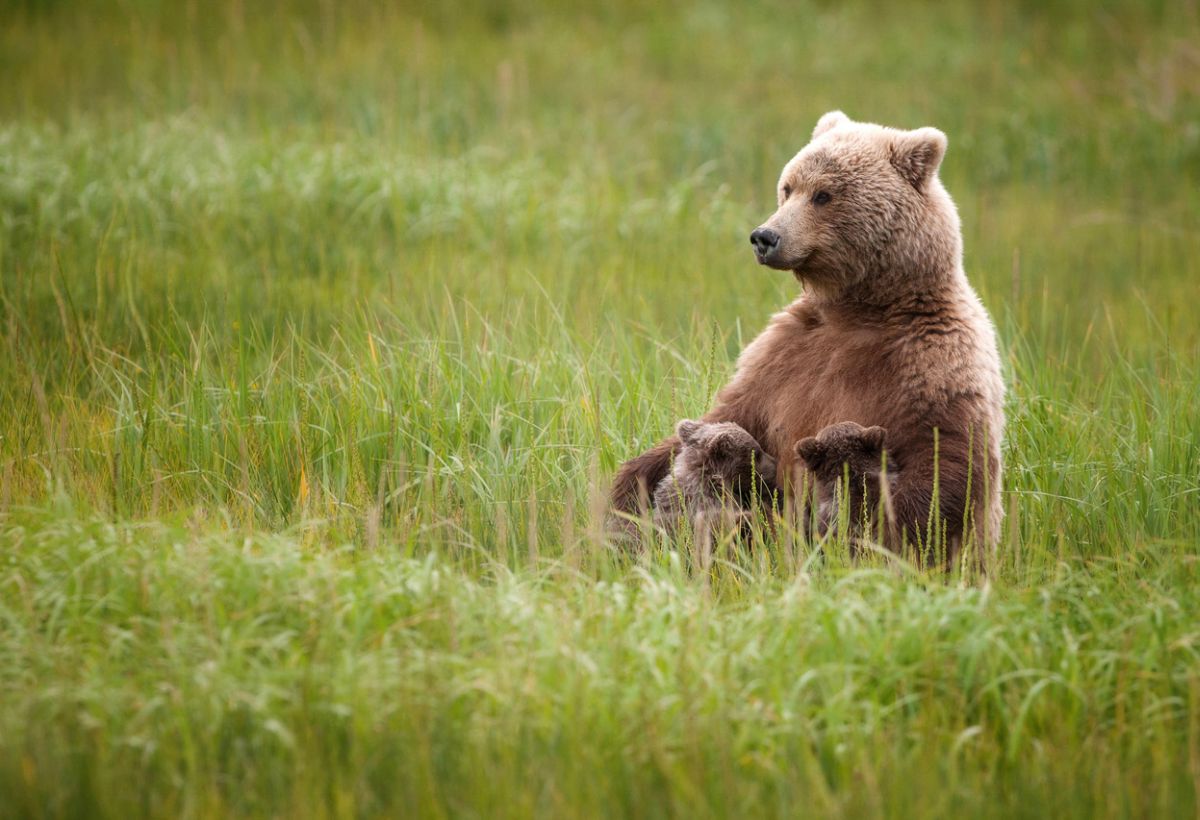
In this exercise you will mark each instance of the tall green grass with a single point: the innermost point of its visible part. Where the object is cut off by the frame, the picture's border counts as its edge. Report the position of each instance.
(322, 327)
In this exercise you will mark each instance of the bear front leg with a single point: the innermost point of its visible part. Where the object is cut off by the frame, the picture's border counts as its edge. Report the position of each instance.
(932, 512)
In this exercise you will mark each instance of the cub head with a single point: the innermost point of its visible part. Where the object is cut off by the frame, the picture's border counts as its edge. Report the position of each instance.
(861, 205)
(843, 443)
(724, 452)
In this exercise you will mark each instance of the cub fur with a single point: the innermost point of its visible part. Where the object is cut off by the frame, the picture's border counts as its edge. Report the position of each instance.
(720, 474)
(847, 462)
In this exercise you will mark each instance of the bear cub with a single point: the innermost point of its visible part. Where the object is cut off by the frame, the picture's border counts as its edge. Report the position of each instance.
(841, 451)
(720, 474)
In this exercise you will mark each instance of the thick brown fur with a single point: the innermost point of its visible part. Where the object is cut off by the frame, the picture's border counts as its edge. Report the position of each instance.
(887, 332)
(720, 474)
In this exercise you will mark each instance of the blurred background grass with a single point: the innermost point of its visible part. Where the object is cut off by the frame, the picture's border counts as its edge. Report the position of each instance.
(415, 278)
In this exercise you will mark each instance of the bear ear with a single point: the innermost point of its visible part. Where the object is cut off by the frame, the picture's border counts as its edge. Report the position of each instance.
(917, 154)
(873, 437)
(722, 445)
(810, 452)
(829, 122)
(687, 430)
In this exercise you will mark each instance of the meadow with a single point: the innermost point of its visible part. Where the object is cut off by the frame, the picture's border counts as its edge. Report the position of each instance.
(323, 326)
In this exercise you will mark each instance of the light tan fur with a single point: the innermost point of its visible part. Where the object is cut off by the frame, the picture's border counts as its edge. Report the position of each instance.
(887, 332)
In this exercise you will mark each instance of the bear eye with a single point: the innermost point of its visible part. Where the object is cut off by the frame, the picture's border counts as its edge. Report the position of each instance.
(821, 198)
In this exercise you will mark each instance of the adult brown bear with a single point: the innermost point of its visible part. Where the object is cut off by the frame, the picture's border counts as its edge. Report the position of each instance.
(887, 332)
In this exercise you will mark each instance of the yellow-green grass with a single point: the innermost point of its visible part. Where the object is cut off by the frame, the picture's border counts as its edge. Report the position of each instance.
(322, 326)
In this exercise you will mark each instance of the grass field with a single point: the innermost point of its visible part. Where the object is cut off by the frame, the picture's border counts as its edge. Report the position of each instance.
(323, 326)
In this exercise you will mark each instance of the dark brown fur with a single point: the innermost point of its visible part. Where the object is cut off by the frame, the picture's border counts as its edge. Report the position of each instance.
(849, 464)
(720, 475)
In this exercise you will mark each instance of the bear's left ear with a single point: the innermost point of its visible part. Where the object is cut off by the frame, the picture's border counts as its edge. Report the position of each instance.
(811, 452)
(917, 155)
(687, 430)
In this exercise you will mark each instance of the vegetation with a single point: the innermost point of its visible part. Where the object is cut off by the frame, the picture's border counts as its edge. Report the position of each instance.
(322, 326)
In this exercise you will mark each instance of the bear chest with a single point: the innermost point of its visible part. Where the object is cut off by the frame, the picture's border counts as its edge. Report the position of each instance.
(825, 376)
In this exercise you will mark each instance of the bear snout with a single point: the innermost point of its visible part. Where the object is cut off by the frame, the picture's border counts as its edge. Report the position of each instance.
(766, 244)
(767, 470)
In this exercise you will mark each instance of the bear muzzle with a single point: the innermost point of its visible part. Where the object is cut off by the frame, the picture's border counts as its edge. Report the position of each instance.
(766, 245)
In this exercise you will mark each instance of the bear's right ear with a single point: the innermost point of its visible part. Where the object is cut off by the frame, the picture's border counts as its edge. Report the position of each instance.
(811, 452)
(873, 437)
(829, 122)
(687, 430)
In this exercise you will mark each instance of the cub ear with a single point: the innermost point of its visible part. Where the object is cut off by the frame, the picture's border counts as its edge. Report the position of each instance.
(687, 429)
(722, 446)
(828, 122)
(917, 155)
(811, 452)
(873, 437)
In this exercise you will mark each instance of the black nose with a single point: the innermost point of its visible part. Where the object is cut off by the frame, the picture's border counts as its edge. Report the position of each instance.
(764, 241)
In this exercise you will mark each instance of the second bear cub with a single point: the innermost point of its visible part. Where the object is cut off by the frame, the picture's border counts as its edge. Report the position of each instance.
(842, 451)
(720, 475)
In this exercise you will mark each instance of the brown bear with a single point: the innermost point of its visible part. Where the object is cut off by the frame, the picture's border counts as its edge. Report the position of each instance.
(847, 463)
(886, 332)
(720, 476)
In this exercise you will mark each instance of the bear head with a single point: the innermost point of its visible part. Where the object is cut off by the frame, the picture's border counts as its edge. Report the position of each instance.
(844, 443)
(724, 454)
(862, 212)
